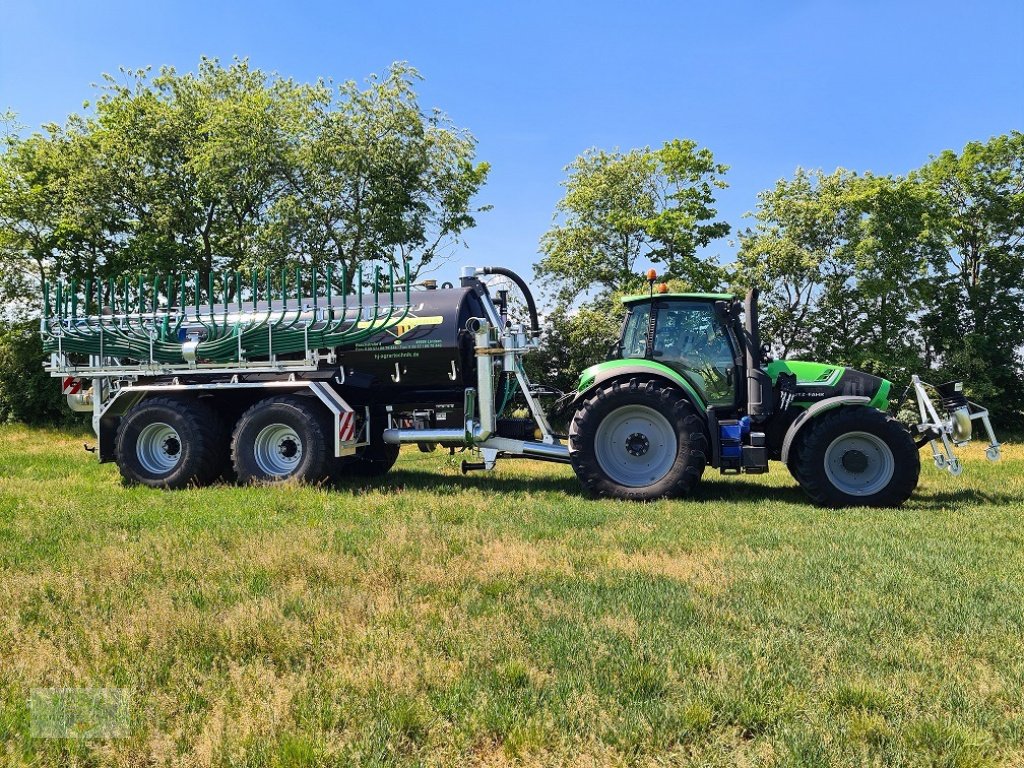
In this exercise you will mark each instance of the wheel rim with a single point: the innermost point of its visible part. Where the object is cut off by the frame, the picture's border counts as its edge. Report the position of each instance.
(158, 448)
(859, 463)
(635, 446)
(277, 450)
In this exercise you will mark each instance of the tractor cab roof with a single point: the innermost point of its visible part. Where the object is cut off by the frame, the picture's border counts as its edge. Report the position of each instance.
(630, 300)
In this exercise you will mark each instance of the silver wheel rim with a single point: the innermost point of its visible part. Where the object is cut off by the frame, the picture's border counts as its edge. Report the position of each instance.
(635, 446)
(277, 450)
(158, 448)
(859, 463)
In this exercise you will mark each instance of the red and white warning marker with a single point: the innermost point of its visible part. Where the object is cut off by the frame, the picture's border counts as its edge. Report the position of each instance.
(346, 425)
(71, 385)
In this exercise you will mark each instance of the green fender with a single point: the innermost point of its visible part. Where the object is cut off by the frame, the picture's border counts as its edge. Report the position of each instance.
(614, 369)
(819, 407)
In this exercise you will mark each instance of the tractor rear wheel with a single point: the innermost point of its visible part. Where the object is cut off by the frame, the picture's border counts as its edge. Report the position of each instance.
(639, 440)
(168, 443)
(282, 438)
(856, 456)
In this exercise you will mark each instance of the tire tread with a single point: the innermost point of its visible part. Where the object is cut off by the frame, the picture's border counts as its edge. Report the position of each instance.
(820, 432)
(319, 468)
(673, 404)
(207, 436)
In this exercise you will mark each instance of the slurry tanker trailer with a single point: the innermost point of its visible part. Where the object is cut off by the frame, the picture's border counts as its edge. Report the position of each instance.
(278, 376)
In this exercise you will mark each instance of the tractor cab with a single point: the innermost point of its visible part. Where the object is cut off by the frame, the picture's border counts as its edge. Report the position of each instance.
(716, 358)
(693, 334)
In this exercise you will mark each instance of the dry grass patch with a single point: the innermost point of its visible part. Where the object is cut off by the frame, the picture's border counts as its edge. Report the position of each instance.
(703, 567)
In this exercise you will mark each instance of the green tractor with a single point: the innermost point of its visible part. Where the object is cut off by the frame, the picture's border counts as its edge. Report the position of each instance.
(690, 385)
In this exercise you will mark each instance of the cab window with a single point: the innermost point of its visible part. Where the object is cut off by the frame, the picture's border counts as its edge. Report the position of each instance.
(690, 339)
(634, 338)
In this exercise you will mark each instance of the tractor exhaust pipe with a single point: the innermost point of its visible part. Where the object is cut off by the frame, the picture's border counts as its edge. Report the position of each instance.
(759, 385)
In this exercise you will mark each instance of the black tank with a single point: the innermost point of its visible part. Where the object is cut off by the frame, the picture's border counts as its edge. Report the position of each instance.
(428, 348)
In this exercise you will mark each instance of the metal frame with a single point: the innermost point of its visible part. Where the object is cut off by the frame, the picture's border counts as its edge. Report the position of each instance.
(152, 329)
(166, 326)
(123, 398)
(497, 346)
(941, 431)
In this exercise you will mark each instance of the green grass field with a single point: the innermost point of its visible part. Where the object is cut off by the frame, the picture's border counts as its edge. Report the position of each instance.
(435, 619)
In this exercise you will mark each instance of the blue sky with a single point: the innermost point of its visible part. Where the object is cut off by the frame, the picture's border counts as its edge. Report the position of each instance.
(768, 87)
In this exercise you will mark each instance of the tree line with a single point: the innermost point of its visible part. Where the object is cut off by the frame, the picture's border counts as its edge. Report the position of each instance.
(894, 275)
(226, 168)
(234, 168)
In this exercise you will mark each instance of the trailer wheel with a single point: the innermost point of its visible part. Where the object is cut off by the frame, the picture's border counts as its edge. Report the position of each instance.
(168, 443)
(375, 459)
(281, 438)
(856, 456)
(639, 440)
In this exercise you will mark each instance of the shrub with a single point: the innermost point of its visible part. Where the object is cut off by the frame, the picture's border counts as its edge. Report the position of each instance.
(27, 392)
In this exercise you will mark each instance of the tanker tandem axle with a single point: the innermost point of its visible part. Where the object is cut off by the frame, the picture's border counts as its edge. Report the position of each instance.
(287, 376)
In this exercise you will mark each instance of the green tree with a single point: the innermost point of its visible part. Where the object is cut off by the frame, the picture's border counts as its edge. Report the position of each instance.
(228, 167)
(622, 209)
(377, 178)
(870, 311)
(33, 220)
(841, 261)
(975, 312)
(801, 226)
(900, 275)
(574, 339)
(27, 393)
(232, 167)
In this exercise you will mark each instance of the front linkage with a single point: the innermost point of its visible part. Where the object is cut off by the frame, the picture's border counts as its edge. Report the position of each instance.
(944, 434)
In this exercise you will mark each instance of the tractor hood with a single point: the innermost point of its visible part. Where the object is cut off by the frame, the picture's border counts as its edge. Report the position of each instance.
(818, 381)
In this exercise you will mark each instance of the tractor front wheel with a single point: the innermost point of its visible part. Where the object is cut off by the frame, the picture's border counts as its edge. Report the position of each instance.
(856, 456)
(638, 440)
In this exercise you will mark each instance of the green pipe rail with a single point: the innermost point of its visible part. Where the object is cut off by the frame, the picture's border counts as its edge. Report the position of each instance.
(171, 320)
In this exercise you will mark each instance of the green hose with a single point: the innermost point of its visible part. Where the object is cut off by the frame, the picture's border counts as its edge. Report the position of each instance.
(136, 328)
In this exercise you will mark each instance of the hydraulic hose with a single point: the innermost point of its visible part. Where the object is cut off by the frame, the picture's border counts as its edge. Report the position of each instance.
(524, 289)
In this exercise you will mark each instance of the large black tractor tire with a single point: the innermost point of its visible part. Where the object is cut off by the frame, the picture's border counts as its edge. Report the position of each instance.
(282, 438)
(637, 439)
(169, 443)
(375, 459)
(856, 457)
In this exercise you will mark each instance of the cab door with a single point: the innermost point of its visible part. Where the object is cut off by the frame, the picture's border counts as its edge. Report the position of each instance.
(690, 338)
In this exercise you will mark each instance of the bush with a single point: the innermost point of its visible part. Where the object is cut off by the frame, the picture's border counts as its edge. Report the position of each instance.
(27, 393)
(573, 341)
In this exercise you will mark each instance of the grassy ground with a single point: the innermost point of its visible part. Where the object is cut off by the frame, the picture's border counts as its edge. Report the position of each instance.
(434, 619)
